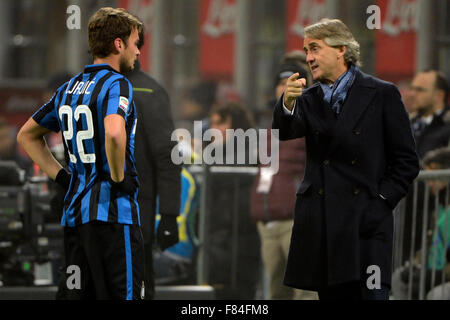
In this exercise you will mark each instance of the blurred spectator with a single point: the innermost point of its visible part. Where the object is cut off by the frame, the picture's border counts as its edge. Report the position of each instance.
(438, 236)
(407, 96)
(233, 250)
(9, 149)
(429, 97)
(273, 206)
(297, 57)
(199, 101)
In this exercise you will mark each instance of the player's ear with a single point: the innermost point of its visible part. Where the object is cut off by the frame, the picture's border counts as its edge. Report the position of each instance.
(118, 44)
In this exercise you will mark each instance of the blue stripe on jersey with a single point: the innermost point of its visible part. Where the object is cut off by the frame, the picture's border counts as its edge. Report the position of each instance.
(124, 204)
(104, 201)
(126, 231)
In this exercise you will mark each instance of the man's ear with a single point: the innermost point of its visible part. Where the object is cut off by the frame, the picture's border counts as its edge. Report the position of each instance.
(118, 44)
(341, 51)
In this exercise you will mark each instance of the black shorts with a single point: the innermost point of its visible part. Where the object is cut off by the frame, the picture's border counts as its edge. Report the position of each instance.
(110, 260)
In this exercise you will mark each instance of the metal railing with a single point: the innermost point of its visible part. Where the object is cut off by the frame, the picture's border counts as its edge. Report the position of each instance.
(415, 236)
(203, 175)
(415, 224)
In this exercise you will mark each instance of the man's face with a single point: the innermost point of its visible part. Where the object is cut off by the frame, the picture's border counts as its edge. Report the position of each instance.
(423, 94)
(129, 54)
(326, 63)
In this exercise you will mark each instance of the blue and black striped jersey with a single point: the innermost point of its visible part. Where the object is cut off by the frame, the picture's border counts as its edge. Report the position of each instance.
(78, 109)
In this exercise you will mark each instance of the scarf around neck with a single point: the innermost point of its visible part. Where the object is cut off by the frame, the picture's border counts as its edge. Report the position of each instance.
(336, 94)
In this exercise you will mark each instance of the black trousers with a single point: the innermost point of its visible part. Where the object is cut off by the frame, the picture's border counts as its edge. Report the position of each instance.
(110, 260)
(353, 291)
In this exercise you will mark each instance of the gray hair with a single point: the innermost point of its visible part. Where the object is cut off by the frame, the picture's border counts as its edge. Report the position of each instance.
(335, 33)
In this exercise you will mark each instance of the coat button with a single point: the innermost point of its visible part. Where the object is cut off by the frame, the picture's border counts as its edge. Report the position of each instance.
(326, 162)
(354, 162)
(316, 132)
(356, 191)
(320, 191)
(357, 132)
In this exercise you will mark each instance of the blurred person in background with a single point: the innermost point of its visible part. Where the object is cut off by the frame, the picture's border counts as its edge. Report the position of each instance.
(273, 206)
(429, 96)
(226, 194)
(96, 114)
(407, 97)
(361, 160)
(437, 242)
(431, 126)
(198, 102)
(159, 177)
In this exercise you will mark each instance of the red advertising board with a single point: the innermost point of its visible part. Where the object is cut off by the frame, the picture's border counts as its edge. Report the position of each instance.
(217, 37)
(301, 13)
(396, 40)
(144, 9)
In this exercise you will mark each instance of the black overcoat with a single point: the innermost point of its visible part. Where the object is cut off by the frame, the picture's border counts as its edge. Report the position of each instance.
(342, 226)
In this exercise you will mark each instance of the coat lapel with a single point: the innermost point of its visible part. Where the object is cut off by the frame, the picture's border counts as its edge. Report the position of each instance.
(322, 113)
(359, 98)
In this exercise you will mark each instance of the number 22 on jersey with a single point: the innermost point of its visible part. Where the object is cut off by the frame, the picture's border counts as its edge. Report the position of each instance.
(81, 135)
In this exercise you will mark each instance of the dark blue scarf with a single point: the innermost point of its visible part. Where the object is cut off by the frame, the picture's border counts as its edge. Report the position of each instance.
(336, 94)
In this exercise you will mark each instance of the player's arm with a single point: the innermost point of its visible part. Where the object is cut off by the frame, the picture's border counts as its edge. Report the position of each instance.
(115, 145)
(31, 138)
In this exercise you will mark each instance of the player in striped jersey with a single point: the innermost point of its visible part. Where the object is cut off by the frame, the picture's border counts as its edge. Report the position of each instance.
(97, 117)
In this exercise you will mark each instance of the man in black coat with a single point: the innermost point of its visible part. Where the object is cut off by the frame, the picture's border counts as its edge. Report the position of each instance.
(361, 159)
(158, 175)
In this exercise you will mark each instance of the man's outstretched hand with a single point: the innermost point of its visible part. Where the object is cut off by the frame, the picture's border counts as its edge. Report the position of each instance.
(294, 89)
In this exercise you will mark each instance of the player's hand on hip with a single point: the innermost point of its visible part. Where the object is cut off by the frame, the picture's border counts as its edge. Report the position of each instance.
(128, 185)
(294, 89)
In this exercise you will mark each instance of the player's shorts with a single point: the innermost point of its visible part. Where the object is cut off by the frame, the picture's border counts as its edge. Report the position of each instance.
(109, 258)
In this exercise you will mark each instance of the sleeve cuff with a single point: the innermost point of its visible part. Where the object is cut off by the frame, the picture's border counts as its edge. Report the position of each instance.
(287, 111)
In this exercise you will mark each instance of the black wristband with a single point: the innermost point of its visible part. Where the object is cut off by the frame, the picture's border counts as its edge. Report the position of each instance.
(63, 178)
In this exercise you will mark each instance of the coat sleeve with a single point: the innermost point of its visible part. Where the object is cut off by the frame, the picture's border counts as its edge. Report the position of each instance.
(289, 126)
(157, 132)
(402, 160)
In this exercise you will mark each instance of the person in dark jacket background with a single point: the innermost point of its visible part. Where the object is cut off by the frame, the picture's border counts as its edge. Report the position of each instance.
(431, 126)
(158, 175)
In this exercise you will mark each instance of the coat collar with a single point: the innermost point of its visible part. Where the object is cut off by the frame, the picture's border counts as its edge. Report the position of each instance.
(358, 99)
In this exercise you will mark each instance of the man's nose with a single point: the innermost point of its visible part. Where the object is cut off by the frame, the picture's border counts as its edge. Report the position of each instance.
(309, 57)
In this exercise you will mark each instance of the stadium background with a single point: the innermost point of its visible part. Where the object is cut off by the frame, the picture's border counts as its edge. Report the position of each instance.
(235, 44)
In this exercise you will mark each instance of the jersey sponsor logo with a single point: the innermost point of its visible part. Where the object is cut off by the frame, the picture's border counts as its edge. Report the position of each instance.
(123, 104)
